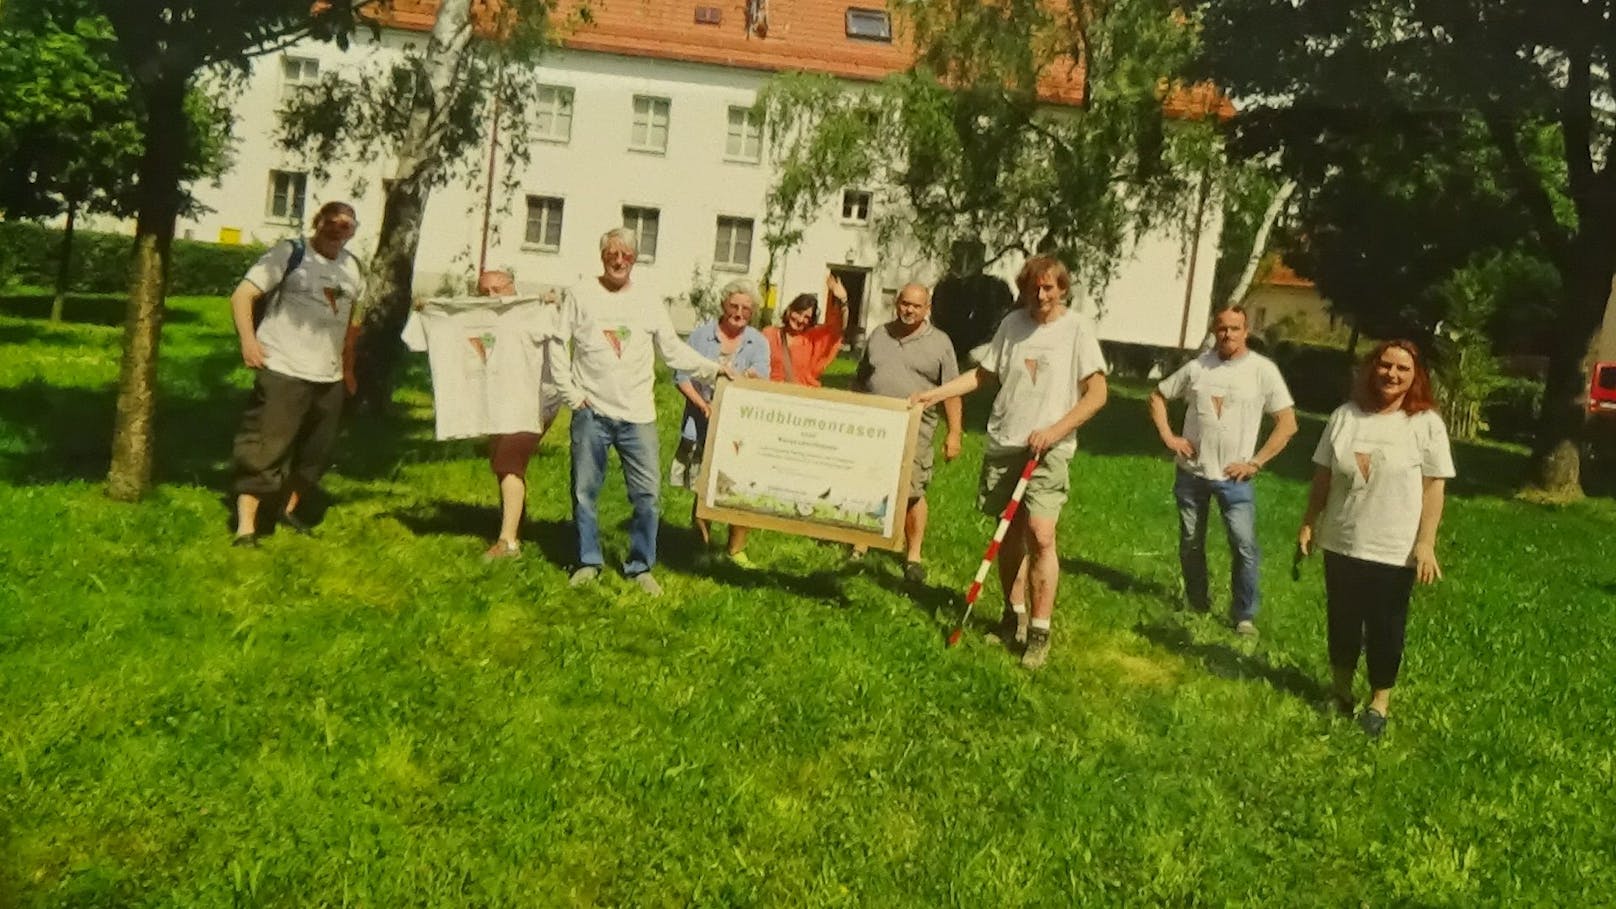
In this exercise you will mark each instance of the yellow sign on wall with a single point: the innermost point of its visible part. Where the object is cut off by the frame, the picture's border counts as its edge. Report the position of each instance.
(231, 235)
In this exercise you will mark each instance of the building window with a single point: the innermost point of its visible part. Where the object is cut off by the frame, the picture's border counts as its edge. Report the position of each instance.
(287, 190)
(543, 223)
(644, 222)
(733, 251)
(869, 24)
(553, 113)
(856, 206)
(650, 129)
(298, 72)
(745, 139)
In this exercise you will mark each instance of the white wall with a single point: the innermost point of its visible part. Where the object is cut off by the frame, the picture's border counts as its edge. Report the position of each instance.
(596, 174)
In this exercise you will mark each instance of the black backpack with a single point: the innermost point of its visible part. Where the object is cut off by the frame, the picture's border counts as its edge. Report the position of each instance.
(272, 295)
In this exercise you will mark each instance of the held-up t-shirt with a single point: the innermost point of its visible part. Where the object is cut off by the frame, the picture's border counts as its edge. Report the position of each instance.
(491, 363)
(1227, 399)
(1374, 513)
(610, 364)
(305, 325)
(1041, 367)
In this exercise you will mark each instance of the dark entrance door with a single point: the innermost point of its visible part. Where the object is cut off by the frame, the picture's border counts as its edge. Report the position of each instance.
(856, 281)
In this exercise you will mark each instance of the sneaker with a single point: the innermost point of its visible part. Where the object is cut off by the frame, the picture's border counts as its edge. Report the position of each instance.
(1012, 629)
(739, 560)
(1246, 628)
(1373, 722)
(502, 549)
(1037, 651)
(585, 575)
(648, 584)
(856, 553)
(914, 572)
(245, 541)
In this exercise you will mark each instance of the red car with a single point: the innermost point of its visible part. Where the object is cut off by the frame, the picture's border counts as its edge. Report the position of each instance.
(1602, 390)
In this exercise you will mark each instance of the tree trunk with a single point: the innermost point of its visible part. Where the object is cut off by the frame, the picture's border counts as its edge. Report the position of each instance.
(64, 268)
(133, 434)
(1259, 245)
(389, 280)
(1556, 467)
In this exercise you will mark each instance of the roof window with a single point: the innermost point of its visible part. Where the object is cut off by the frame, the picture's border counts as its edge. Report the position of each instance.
(708, 15)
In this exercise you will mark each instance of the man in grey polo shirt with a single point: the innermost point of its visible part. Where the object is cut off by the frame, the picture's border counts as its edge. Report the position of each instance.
(903, 357)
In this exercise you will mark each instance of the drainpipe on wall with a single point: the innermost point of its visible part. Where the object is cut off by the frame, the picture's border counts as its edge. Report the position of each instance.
(1195, 254)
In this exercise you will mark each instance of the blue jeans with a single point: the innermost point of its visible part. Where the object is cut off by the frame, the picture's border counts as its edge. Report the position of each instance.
(636, 445)
(1237, 500)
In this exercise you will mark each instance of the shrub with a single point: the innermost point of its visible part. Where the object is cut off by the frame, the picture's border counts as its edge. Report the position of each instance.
(1319, 378)
(1512, 409)
(29, 254)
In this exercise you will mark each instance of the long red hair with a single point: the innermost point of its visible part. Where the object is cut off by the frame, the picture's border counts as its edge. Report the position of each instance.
(1419, 397)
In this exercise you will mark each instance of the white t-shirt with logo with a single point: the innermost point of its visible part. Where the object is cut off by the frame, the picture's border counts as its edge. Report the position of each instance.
(613, 335)
(1227, 400)
(491, 363)
(305, 325)
(1375, 516)
(1040, 368)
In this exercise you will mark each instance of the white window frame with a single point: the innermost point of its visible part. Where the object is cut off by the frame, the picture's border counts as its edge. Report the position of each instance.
(298, 72)
(851, 205)
(642, 215)
(646, 120)
(726, 261)
(556, 102)
(865, 24)
(543, 204)
(295, 193)
(744, 126)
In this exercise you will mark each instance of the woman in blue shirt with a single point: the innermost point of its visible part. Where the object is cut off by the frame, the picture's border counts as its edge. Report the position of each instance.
(732, 341)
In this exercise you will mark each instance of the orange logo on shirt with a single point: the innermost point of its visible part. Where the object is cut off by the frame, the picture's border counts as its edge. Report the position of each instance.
(1032, 370)
(482, 344)
(332, 295)
(616, 337)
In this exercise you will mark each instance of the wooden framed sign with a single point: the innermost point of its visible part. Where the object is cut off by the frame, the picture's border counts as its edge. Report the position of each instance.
(818, 462)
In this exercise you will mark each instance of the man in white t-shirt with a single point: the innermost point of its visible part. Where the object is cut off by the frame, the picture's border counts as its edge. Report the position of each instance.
(1051, 374)
(302, 356)
(607, 379)
(1229, 388)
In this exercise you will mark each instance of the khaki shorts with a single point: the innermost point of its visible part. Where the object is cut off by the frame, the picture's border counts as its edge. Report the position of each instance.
(1046, 489)
(920, 469)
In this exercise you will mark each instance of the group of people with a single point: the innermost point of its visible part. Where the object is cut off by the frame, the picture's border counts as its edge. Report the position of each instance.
(1373, 507)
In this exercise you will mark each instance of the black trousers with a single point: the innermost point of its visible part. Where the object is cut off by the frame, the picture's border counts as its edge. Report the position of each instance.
(1367, 604)
(286, 434)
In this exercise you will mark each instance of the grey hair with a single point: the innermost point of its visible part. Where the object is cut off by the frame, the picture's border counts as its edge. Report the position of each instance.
(740, 286)
(622, 236)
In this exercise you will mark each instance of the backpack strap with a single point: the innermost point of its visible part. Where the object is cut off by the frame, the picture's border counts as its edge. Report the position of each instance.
(294, 260)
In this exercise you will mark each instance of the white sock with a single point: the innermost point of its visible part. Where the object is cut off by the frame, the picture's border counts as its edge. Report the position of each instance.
(1042, 624)
(1018, 608)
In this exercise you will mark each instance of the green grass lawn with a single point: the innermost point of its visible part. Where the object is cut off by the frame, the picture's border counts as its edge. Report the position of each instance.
(373, 717)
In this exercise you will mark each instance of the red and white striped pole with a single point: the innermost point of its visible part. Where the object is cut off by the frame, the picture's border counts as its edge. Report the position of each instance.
(1009, 515)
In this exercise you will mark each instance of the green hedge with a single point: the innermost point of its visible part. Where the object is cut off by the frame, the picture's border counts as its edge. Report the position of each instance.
(28, 255)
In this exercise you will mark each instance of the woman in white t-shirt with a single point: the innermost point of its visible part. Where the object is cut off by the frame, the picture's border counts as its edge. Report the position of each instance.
(1374, 508)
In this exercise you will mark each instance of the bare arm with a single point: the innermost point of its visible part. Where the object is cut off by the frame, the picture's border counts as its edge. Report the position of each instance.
(1091, 397)
(954, 413)
(1432, 494)
(1317, 495)
(1278, 438)
(963, 384)
(241, 307)
(1175, 443)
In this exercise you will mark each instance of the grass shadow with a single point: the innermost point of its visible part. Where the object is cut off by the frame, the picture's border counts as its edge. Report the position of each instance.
(1226, 662)
(1120, 581)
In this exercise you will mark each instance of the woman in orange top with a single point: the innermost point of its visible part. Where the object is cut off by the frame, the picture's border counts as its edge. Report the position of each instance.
(810, 347)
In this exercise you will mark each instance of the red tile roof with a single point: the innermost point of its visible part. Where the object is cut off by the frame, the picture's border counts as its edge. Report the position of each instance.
(1278, 274)
(805, 35)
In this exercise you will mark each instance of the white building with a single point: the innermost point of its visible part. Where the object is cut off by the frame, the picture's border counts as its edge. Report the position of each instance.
(648, 125)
